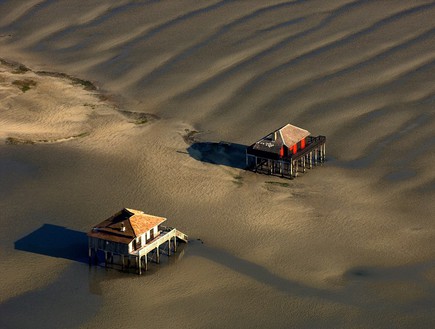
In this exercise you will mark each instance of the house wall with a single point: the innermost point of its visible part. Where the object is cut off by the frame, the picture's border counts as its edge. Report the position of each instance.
(154, 231)
(141, 240)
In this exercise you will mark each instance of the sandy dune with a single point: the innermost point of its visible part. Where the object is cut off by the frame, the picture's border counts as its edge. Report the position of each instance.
(347, 245)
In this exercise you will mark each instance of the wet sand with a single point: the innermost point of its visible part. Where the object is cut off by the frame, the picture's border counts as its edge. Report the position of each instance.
(346, 245)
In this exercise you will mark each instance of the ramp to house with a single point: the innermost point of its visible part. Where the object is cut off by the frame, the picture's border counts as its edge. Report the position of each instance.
(180, 235)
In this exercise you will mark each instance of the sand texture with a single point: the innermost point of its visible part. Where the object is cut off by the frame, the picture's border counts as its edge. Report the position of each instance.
(112, 104)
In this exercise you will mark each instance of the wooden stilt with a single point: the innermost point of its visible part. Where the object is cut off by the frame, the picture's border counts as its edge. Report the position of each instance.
(105, 258)
(175, 244)
(157, 255)
(322, 158)
(139, 261)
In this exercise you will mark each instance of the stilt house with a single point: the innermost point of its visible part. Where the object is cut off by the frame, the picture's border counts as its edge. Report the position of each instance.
(130, 235)
(286, 151)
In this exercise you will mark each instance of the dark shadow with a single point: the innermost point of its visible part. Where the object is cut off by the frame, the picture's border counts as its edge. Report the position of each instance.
(222, 153)
(56, 241)
(354, 281)
(262, 274)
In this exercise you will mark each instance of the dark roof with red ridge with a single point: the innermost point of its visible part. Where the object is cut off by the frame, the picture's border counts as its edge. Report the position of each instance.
(287, 135)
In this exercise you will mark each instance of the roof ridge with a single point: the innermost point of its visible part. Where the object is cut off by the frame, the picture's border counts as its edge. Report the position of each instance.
(133, 211)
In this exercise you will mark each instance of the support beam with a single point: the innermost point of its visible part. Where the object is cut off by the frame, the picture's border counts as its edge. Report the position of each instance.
(97, 260)
(90, 255)
(324, 152)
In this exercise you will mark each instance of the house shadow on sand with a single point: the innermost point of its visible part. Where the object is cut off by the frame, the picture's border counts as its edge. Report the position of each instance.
(56, 241)
(222, 153)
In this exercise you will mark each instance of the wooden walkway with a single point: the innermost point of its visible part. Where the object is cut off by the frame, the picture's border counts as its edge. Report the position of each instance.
(169, 235)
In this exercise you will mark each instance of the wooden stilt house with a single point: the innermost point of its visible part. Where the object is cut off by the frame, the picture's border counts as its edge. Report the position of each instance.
(128, 237)
(286, 151)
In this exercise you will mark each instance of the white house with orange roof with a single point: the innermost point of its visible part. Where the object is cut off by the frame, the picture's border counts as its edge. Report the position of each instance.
(132, 234)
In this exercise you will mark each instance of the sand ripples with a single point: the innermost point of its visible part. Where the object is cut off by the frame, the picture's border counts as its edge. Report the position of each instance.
(214, 60)
(360, 72)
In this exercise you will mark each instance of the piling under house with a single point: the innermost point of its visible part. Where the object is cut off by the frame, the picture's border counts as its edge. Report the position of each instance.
(286, 152)
(129, 237)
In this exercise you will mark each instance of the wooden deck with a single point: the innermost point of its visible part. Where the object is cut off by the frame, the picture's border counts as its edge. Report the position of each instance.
(168, 235)
(313, 154)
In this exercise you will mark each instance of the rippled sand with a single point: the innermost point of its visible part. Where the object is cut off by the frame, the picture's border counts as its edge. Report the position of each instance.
(347, 245)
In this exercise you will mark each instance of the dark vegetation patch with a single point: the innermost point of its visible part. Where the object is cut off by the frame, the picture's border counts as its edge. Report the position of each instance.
(238, 180)
(189, 136)
(24, 84)
(280, 184)
(86, 84)
(21, 69)
(23, 141)
(18, 141)
(17, 67)
(139, 118)
(92, 106)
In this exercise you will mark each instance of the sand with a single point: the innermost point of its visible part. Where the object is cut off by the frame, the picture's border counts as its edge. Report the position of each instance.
(119, 104)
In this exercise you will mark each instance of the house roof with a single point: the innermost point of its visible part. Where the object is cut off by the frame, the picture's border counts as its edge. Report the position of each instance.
(287, 135)
(291, 134)
(135, 223)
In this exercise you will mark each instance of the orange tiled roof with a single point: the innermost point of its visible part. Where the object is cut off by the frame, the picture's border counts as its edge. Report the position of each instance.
(125, 226)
